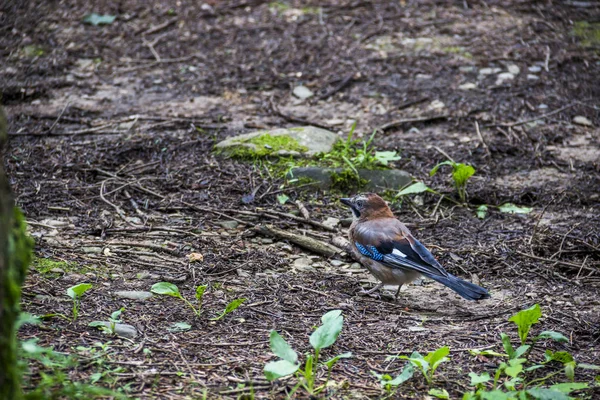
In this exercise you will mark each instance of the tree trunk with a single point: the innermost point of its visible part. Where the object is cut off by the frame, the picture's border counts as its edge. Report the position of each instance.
(15, 255)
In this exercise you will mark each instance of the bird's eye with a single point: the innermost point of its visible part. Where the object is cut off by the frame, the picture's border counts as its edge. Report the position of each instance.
(360, 203)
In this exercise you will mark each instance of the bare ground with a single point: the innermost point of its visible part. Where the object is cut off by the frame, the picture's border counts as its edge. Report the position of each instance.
(106, 154)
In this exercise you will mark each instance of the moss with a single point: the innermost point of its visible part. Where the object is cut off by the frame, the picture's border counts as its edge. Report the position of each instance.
(32, 51)
(45, 266)
(587, 33)
(347, 181)
(263, 146)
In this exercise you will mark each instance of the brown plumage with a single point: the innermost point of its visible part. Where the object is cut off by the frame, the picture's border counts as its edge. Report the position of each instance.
(386, 247)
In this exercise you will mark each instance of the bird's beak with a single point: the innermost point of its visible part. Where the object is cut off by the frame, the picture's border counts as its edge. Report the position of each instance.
(346, 201)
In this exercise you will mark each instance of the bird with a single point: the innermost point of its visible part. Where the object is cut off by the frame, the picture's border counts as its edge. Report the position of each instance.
(386, 247)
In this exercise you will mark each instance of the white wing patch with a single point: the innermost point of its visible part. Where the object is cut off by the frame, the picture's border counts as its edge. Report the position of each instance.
(399, 253)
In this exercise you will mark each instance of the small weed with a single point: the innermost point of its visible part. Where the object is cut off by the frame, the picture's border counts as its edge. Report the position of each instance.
(75, 292)
(460, 175)
(115, 318)
(429, 363)
(391, 384)
(231, 307)
(587, 32)
(52, 268)
(324, 336)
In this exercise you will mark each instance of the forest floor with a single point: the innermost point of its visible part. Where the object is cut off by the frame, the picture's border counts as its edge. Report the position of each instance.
(112, 129)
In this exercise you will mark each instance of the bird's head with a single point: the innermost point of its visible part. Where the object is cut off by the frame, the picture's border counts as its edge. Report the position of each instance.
(368, 206)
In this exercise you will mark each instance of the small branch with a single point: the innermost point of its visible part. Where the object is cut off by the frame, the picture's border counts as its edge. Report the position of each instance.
(59, 117)
(533, 119)
(399, 122)
(305, 242)
(487, 149)
(303, 209)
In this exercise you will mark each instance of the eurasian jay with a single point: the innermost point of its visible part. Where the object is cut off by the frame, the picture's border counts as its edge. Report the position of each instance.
(385, 246)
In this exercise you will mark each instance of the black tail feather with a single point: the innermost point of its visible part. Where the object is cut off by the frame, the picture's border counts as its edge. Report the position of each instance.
(468, 290)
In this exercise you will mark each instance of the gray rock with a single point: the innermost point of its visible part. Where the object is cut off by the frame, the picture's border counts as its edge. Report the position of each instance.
(514, 69)
(92, 249)
(229, 224)
(532, 77)
(468, 86)
(534, 68)
(355, 266)
(133, 294)
(124, 330)
(376, 179)
(302, 92)
(316, 140)
(581, 120)
(336, 263)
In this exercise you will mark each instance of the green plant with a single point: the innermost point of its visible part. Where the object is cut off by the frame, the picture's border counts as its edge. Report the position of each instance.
(512, 380)
(169, 289)
(460, 175)
(115, 318)
(231, 307)
(75, 292)
(323, 337)
(429, 363)
(391, 384)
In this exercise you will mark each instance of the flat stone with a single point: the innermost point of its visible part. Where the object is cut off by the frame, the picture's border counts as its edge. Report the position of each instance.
(303, 264)
(229, 224)
(581, 120)
(532, 77)
(133, 295)
(331, 222)
(514, 69)
(336, 263)
(534, 68)
(355, 266)
(376, 179)
(505, 76)
(468, 86)
(302, 92)
(489, 71)
(466, 68)
(124, 330)
(316, 140)
(89, 250)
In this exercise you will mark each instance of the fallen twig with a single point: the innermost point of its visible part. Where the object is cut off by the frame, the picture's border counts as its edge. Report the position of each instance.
(305, 242)
(533, 119)
(399, 122)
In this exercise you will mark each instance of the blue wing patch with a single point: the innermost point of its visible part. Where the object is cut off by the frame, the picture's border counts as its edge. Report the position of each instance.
(369, 251)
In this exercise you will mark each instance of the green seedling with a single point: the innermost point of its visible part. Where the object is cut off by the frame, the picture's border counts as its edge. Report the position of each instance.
(391, 384)
(460, 175)
(323, 337)
(75, 292)
(115, 318)
(231, 307)
(439, 393)
(429, 363)
(169, 289)
(524, 319)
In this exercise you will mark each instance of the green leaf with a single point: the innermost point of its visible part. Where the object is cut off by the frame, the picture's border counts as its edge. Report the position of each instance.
(26, 318)
(386, 156)
(277, 369)
(282, 198)
(417, 360)
(479, 379)
(327, 334)
(77, 291)
(570, 370)
(507, 345)
(332, 361)
(515, 367)
(200, 292)
(521, 350)
(481, 211)
(95, 324)
(439, 393)
(557, 336)
(281, 348)
(461, 173)
(569, 387)
(97, 19)
(562, 357)
(435, 358)
(165, 288)
(232, 306)
(434, 170)
(524, 319)
(407, 373)
(487, 353)
(496, 395)
(115, 315)
(589, 366)
(180, 327)
(418, 187)
(547, 394)
(510, 208)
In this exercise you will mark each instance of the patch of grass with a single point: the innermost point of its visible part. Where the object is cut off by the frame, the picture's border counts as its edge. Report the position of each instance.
(588, 33)
(50, 267)
(347, 181)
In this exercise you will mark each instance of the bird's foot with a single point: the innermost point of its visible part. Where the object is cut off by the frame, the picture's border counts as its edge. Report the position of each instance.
(370, 291)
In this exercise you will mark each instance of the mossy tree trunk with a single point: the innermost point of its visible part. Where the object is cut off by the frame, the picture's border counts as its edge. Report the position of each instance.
(15, 254)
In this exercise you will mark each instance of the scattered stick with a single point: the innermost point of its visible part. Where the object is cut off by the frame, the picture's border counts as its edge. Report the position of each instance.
(567, 264)
(144, 245)
(547, 61)
(292, 118)
(160, 27)
(410, 103)
(443, 153)
(303, 209)
(305, 242)
(400, 122)
(336, 89)
(533, 119)
(487, 149)
(59, 117)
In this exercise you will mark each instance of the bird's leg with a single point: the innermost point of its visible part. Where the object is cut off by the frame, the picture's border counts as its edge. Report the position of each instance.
(397, 292)
(370, 291)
